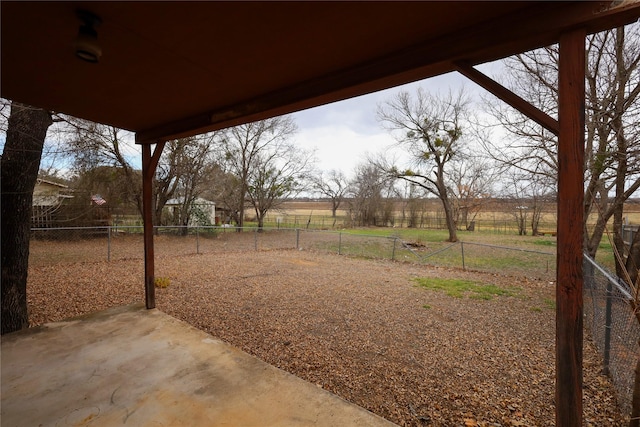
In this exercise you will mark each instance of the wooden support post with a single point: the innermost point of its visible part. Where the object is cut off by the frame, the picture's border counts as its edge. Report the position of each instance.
(569, 338)
(149, 164)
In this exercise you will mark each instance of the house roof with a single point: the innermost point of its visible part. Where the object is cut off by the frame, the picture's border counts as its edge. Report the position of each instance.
(198, 201)
(49, 182)
(171, 69)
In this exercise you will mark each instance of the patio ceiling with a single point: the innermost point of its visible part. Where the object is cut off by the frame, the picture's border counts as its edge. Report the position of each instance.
(172, 69)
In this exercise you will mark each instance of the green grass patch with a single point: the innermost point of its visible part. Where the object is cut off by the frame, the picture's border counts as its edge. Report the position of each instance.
(605, 244)
(407, 234)
(458, 288)
(549, 304)
(606, 259)
(545, 242)
(502, 261)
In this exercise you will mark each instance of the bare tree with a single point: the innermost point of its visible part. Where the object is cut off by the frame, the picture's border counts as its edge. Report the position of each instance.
(612, 169)
(185, 168)
(430, 128)
(471, 182)
(26, 131)
(226, 191)
(276, 175)
(242, 146)
(526, 196)
(110, 183)
(93, 145)
(413, 205)
(542, 193)
(183, 164)
(334, 186)
(371, 196)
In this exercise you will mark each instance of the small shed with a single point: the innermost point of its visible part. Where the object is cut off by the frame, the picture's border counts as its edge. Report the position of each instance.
(203, 212)
(48, 196)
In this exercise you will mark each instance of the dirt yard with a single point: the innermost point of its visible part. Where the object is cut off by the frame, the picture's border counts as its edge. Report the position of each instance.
(362, 329)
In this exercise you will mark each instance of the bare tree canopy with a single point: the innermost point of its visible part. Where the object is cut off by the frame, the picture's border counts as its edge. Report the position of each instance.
(93, 145)
(430, 128)
(184, 172)
(371, 196)
(612, 169)
(184, 164)
(263, 165)
(471, 182)
(332, 185)
(276, 176)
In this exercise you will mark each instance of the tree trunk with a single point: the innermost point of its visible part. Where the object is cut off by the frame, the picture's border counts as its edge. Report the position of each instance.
(593, 242)
(451, 223)
(632, 264)
(618, 242)
(26, 131)
(446, 205)
(335, 204)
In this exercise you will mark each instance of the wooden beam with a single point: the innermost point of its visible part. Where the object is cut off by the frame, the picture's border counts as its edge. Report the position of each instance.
(569, 334)
(149, 164)
(528, 29)
(509, 97)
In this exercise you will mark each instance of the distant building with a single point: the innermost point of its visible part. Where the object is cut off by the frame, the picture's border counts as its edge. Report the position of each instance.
(48, 197)
(202, 210)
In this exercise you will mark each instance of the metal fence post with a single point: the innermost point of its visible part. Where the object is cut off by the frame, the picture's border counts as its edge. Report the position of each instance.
(108, 243)
(607, 329)
(255, 238)
(462, 251)
(297, 238)
(339, 243)
(197, 240)
(393, 253)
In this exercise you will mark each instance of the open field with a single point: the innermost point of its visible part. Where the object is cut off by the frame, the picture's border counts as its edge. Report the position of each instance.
(496, 217)
(306, 206)
(365, 330)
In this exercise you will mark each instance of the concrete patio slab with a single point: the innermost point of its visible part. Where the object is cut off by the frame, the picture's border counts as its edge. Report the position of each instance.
(138, 367)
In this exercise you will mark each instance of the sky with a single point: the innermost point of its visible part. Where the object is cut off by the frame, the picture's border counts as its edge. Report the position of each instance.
(343, 133)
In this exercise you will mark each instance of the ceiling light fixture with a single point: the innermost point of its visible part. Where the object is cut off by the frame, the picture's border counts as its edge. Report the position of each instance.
(86, 44)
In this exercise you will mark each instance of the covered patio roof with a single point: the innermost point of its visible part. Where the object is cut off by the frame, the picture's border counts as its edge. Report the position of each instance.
(170, 69)
(173, 69)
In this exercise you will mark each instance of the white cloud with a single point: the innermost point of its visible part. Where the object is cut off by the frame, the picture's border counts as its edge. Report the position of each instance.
(341, 147)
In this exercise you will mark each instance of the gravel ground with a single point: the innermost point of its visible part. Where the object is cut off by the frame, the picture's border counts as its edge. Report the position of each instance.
(359, 328)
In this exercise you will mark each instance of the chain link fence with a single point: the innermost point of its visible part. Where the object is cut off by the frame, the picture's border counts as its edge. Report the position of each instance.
(80, 244)
(612, 322)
